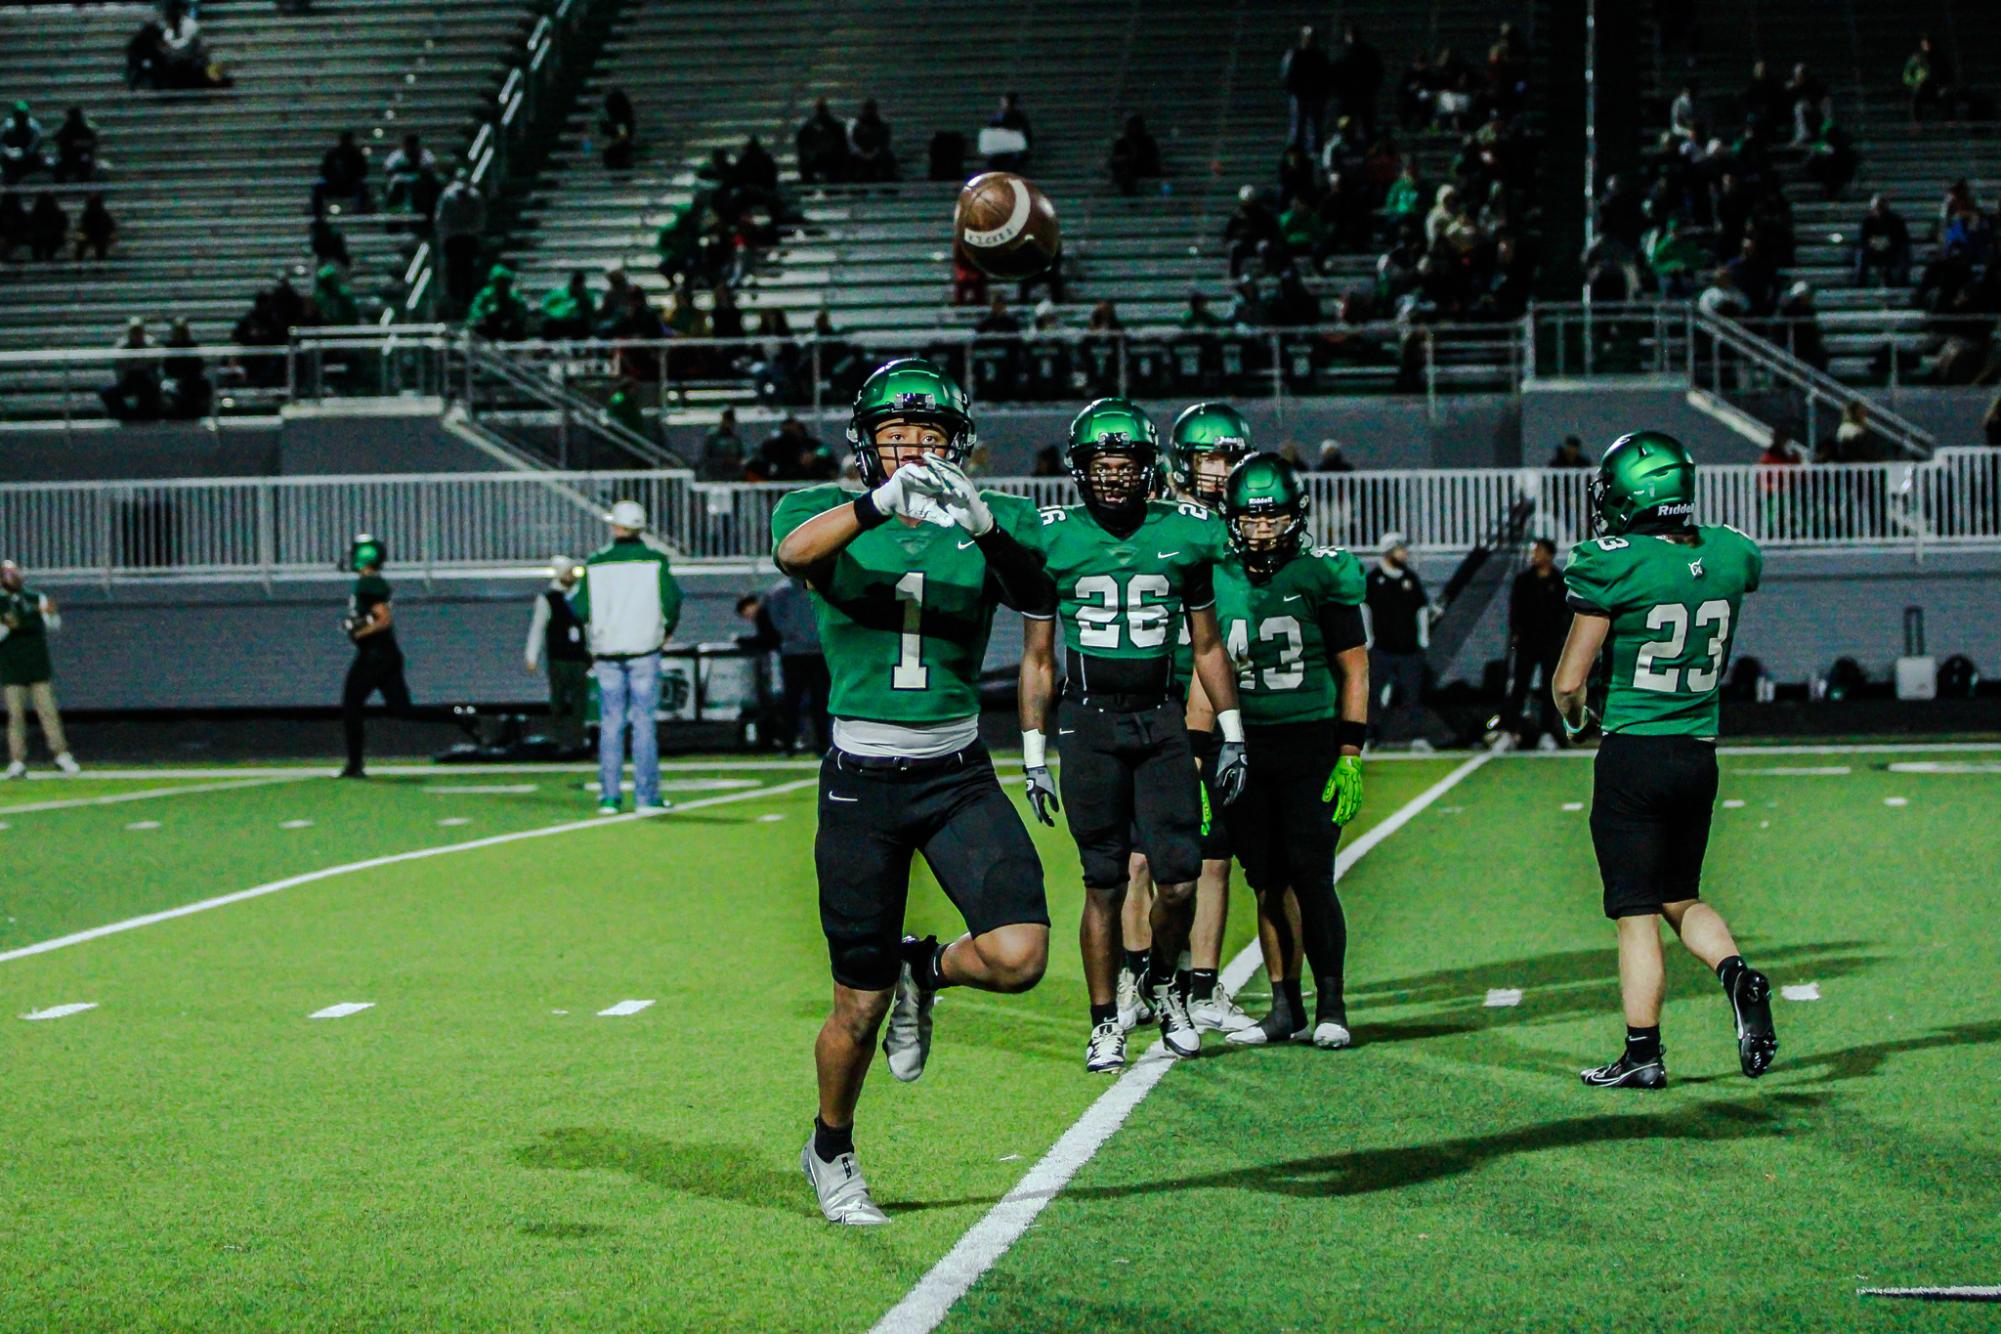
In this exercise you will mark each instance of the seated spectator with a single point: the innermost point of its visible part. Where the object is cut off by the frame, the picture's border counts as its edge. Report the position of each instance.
(1404, 201)
(1298, 178)
(779, 364)
(1928, 79)
(1302, 231)
(870, 157)
(261, 327)
(725, 316)
(498, 312)
(1330, 458)
(1104, 319)
(998, 319)
(1569, 454)
(48, 227)
(625, 406)
(1135, 156)
(1273, 295)
(175, 55)
(1682, 120)
(21, 154)
(1721, 298)
(343, 176)
(410, 178)
(1251, 226)
(76, 148)
(135, 395)
(822, 147)
(185, 389)
(635, 321)
(289, 305)
(1755, 277)
(14, 224)
(683, 245)
(1444, 213)
(1198, 316)
(1346, 215)
(567, 311)
(1798, 330)
(842, 366)
(723, 450)
(1012, 121)
(1675, 259)
(333, 302)
(1810, 103)
(756, 169)
(789, 453)
(618, 128)
(1883, 248)
(1831, 159)
(329, 246)
(95, 229)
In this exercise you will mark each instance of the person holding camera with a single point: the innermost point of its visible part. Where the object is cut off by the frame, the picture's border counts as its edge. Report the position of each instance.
(556, 635)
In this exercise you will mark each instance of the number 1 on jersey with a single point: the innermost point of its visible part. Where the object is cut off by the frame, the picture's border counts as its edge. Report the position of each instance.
(910, 673)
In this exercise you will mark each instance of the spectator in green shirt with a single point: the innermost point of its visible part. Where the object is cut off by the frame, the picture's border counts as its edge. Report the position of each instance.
(498, 312)
(1405, 199)
(333, 300)
(567, 311)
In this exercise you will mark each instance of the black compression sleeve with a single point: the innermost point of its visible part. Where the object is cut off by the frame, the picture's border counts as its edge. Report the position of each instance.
(1200, 590)
(1341, 628)
(1023, 584)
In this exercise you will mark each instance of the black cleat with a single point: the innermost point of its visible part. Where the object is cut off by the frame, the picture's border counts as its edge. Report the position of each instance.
(1627, 1073)
(1751, 1001)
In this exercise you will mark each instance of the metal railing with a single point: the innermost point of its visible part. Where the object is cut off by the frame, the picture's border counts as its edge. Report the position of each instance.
(459, 523)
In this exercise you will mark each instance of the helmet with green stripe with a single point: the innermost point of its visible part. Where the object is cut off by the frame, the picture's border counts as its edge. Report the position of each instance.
(1645, 483)
(909, 390)
(1113, 429)
(1266, 507)
(1206, 429)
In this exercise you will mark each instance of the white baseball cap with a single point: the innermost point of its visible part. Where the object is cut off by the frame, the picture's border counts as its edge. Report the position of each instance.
(627, 514)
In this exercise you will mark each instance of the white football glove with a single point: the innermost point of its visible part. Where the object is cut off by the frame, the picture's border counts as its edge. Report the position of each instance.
(961, 499)
(912, 493)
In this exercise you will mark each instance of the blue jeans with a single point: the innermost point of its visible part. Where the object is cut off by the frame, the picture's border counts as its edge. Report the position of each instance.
(628, 692)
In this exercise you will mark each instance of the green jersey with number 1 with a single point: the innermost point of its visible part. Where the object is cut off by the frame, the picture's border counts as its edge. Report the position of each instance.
(1673, 608)
(904, 612)
(1123, 597)
(1272, 630)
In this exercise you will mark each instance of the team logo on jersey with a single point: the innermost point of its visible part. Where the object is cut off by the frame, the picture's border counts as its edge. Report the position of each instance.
(1695, 568)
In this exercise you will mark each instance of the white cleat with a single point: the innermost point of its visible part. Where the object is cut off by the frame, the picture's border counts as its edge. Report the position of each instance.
(844, 1196)
(1177, 1031)
(67, 763)
(1264, 1033)
(15, 770)
(1421, 747)
(1106, 1051)
(1133, 1009)
(1220, 1013)
(1330, 1036)
(1546, 742)
(656, 808)
(906, 1038)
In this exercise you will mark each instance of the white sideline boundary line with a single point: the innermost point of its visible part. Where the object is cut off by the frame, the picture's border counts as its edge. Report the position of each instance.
(1965, 1293)
(926, 1304)
(392, 859)
(147, 794)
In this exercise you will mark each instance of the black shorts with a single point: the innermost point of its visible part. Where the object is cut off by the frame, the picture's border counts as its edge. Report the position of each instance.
(1651, 798)
(1129, 781)
(1282, 828)
(874, 815)
(1215, 832)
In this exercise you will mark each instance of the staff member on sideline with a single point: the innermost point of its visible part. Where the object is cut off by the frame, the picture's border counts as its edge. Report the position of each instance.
(555, 634)
(1397, 607)
(1538, 620)
(378, 662)
(630, 602)
(26, 617)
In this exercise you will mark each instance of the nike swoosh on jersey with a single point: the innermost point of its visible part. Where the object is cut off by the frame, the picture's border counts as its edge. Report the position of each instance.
(964, 545)
(1294, 597)
(1163, 555)
(835, 796)
(1065, 731)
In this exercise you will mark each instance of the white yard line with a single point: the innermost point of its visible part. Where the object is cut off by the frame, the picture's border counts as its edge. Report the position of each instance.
(147, 794)
(416, 854)
(342, 1010)
(1954, 1294)
(925, 1305)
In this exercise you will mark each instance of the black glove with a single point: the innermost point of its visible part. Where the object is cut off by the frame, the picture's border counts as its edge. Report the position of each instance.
(1231, 771)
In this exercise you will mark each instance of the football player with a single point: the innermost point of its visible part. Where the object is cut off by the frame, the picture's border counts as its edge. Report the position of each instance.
(904, 579)
(1126, 569)
(1658, 595)
(1292, 621)
(378, 663)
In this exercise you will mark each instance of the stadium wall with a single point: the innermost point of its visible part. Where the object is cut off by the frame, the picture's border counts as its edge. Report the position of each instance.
(242, 645)
(300, 443)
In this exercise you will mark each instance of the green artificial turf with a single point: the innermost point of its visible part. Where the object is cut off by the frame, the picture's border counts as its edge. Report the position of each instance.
(481, 1151)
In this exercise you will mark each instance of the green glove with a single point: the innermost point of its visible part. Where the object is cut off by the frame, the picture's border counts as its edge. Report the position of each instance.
(1344, 788)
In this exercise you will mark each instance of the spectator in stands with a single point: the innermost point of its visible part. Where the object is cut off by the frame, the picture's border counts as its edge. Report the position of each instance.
(456, 227)
(411, 178)
(1272, 294)
(1104, 319)
(756, 169)
(343, 176)
(998, 319)
(725, 316)
(1928, 79)
(723, 451)
(625, 408)
(1756, 277)
(21, 154)
(1010, 117)
(1675, 259)
(870, 157)
(618, 128)
(1307, 76)
(333, 302)
(1414, 92)
(1049, 462)
(1303, 233)
(95, 229)
(779, 366)
(1764, 103)
(635, 320)
(1453, 100)
(568, 311)
(13, 224)
(185, 389)
(76, 148)
(48, 227)
(1251, 226)
(329, 246)
(135, 394)
(682, 244)
(1444, 214)
(1404, 201)
(841, 364)
(1135, 156)
(790, 453)
(1798, 330)
(498, 312)
(1682, 120)
(1331, 458)
(1883, 247)
(1357, 80)
(822, 147)
(1831, 158)
(1569, 454)
(1810, 103)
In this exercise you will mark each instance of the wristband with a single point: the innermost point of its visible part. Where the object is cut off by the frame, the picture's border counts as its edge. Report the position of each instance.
(1230, 723)
(867, 513)
(1574, 731)
(1034, 750)
(1350, 733)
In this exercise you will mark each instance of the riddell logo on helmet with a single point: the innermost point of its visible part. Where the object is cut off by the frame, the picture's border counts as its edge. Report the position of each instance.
(1680, 507)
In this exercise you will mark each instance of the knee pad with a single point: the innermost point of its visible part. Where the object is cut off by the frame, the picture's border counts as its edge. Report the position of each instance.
(864, 963)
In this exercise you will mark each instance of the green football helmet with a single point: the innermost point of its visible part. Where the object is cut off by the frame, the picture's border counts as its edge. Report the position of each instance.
(1645, 481)
(1260, 485)
(1205, 428)
(365, 551)
(913, 390)
(1114, 426)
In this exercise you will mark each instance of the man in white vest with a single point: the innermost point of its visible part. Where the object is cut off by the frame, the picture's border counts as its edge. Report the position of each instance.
(628, 600)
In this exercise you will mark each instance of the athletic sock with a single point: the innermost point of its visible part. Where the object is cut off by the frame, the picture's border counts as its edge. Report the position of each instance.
(1202, 984)
(1184, 983)
(1727, 971)
(926, 958)
(1643, 1044)
(829, 1143)
(1329, 1006)
(1159, 970)
(1136, 962)
(1288, 990)
(1107, 1013)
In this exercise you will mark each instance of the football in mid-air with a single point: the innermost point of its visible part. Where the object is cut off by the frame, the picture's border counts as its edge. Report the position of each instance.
(1006, 226)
